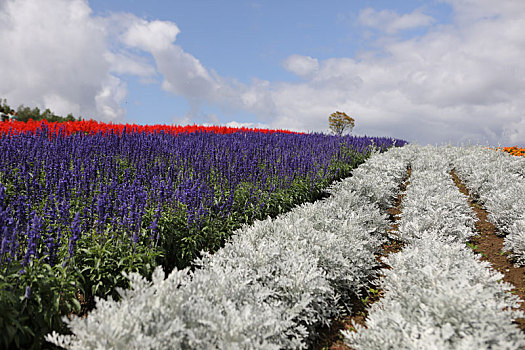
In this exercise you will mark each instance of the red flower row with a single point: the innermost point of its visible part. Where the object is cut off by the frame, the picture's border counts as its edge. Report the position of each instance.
(93, 127)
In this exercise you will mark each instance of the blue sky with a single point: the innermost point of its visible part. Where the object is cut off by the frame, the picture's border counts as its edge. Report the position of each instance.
(251, 39)
(429, 71)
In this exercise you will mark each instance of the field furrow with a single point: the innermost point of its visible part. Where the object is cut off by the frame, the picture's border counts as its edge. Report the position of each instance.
(497, 180)
(438, 294)
(489, 245)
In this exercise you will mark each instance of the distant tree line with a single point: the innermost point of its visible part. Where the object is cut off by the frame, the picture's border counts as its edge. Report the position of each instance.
(24, 113)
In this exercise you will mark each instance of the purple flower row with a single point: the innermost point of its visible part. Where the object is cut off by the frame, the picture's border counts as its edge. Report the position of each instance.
(57, 188)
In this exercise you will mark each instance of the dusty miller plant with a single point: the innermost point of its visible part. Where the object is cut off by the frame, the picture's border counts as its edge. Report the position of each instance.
(497, 180)
(438, 294)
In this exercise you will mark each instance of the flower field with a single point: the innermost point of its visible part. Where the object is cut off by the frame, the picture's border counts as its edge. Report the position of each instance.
(94, 127)
(217, 238)
(82, 204)
(514, 150)
(276, 281)
(267, 288)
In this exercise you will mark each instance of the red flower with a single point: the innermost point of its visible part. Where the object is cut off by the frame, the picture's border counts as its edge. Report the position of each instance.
(93, 127)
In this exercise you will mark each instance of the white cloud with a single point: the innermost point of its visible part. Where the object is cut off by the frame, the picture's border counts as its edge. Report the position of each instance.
(256, 98)
(54, 57)
(235, 124)
(458, 82)
(128, 63)
(69, 60)
(184, 74)
(303, 66)
(151, 36)
(391, 22)
(109, 97)
(468, 11)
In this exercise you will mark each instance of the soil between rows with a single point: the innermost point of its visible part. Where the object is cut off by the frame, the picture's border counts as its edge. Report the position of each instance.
(490, 245)
(330, 337)
(487, 243)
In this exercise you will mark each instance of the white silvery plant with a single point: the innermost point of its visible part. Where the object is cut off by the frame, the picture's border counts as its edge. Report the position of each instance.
(268, 288)
(261, 304)
(497, 180)
(432, 201)
(515, 241)
(438, 295)
(144, 300)
(428, 158)
(506, 204)
(372, 182)
(345, 245)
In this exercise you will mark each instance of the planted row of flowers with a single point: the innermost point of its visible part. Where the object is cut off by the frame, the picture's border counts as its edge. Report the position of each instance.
(77, 210)
(268, 288)
(514, 150)
(95, 127)
(438, 294)
(497, 180)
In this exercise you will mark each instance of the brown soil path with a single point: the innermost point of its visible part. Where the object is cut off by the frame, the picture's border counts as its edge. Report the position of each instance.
(331, 337)
(490, 246)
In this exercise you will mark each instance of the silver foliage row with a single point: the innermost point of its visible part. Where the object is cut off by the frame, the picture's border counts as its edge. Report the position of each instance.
(438, 294)
(268, 287)
(432, 201)
(497, 179)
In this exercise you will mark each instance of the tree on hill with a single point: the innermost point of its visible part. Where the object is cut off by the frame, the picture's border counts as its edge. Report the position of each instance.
(340, 122)
(24, 113)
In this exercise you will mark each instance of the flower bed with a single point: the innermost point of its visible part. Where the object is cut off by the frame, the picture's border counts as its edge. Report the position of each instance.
(77, 209)
(266, 289)
(514, 150)
(498, 181)
(95, 127)
(438, 294)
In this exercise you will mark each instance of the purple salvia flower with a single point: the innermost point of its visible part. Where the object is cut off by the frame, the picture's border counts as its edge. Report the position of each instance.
(75, 234)
(33, 237)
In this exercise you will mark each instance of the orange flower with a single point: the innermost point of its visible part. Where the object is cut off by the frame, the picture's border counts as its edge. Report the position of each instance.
(514, 150)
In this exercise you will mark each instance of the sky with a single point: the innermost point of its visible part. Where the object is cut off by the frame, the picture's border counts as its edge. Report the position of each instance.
(427, 71)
